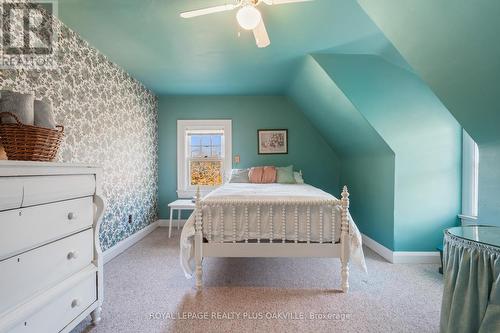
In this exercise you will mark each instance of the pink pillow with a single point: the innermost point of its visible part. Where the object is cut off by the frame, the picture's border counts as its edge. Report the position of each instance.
(259, 175)
(255, 174)
(269, 175)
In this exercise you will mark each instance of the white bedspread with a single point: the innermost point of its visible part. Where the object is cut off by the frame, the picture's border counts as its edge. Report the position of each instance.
(222, 227)
(244, 194)
(267, 192)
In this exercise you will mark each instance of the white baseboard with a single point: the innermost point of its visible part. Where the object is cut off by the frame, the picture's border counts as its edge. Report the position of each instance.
(165, 222)
(408, 257)
(402, 257)
(121, 246)
(378, 248)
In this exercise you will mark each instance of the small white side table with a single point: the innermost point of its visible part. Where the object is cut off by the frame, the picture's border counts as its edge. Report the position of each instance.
(179, 205)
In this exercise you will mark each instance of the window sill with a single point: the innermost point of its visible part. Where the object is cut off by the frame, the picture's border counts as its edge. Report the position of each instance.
(467, 219)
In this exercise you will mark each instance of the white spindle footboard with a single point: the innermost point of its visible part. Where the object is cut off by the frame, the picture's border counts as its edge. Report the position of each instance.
(270, 237)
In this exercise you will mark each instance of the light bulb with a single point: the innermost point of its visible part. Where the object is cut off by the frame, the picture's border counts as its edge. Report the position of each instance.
(248, 17)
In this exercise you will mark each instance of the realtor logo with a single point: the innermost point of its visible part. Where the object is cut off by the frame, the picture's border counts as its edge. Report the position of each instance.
(28, 34)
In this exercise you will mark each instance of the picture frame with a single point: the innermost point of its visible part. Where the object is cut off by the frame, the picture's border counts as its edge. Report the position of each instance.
(272, 141)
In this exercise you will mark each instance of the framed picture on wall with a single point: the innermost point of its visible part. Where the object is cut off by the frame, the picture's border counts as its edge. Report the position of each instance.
(272, 141)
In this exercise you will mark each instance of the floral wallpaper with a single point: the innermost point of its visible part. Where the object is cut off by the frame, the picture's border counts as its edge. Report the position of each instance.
(110, 120)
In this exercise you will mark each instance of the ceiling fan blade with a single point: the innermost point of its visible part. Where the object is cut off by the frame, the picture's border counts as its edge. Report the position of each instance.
(282, 2)
(206, 11)
(261, 36)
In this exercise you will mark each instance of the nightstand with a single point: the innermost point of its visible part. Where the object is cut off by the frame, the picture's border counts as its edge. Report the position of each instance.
(179, 205)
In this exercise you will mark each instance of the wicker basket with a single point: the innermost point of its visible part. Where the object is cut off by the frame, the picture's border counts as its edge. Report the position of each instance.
(29, 143)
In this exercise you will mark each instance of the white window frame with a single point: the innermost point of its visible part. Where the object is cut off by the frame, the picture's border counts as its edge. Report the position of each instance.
(184, 190)
(470, 179)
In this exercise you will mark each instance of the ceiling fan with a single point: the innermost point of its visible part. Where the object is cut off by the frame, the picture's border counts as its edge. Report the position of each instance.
(248, 16)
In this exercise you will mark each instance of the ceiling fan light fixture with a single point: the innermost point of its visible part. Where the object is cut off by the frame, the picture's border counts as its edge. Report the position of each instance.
(248, 17)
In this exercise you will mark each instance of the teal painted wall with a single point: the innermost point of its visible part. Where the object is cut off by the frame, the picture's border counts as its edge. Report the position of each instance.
(453, 46)
(367, 161)
(371, 187)
(308, 151)
(424, 136)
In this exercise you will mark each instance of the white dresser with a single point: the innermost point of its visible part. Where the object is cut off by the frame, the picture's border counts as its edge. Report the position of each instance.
(50, 257)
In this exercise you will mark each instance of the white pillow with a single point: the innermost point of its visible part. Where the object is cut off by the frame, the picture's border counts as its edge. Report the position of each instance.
(298, 177)
(239, 176)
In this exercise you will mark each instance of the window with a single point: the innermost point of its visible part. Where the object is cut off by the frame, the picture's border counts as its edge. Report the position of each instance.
(470, 177)
(203, 154)
(205, 162)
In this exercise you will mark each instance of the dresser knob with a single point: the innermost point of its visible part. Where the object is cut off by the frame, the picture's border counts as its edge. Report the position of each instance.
(75, 303)
(71, 216)
(72, 255)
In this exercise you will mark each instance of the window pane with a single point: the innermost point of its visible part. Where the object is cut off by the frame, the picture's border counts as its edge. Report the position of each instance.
(205, 172)
(205, 139)
(205, 145)
(216, 140)
(470, 169)
(195, 151)
(216, 151)
(195, 140)
(206, 151)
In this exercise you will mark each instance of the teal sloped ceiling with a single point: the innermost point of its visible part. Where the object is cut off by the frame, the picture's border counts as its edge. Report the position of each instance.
(367, 163)
(374, 44)
(425, 138)
(212, 55)
(453, 45)
(347, 131)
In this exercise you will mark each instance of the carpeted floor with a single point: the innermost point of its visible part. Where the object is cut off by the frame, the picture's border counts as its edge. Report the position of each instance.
(146, 291)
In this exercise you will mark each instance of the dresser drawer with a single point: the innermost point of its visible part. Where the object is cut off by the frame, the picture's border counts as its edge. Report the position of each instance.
(25, 228)
(44, 189)
(36, 270)
(11, 193)
(58, 313)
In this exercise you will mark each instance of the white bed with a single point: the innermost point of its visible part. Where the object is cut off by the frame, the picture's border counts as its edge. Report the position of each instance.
(270, 220)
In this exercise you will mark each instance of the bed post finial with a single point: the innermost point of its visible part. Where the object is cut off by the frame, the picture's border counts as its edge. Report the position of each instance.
(344, 240)
(198, 239)
(345, 194)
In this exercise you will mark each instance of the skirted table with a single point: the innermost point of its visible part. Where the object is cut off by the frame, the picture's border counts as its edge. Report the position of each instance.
(471, 265)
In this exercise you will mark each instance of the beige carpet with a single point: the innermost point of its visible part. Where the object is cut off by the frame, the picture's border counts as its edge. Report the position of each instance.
(147, 281)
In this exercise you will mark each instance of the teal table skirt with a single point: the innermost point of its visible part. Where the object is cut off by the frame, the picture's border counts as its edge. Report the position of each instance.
(471, 298)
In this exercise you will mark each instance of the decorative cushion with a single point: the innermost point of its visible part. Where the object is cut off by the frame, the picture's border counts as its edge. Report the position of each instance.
(19, 104)
(255, 174)
(262, 175)
(239, 176)
(44, 117)
(269, 175)
(298, 177)
(285, 175)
